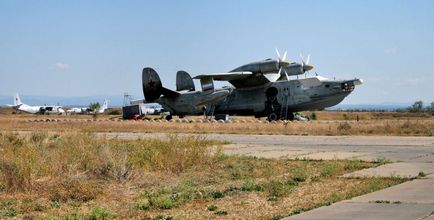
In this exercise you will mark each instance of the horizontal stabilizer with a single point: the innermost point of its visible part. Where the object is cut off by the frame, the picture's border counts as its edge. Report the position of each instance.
(169, 93)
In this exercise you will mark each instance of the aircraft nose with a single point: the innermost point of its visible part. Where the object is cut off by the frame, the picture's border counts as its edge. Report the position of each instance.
(308, 67)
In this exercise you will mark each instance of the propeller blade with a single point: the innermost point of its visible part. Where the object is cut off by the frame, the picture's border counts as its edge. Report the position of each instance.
(302, 59)
(284, 56)
(278, 54)
(286, 74)
(308, 59)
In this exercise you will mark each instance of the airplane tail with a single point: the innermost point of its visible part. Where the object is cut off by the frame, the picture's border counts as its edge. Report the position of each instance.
(152, 87)
(103, 107)
(17, 100)
(184, 81)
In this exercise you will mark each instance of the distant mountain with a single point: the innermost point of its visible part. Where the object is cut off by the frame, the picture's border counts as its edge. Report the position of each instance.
(117, 101)
(387, 106)
(79, 101)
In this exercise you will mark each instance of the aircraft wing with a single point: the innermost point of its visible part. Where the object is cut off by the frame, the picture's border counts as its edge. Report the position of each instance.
(14, 106)
(225, 76)
(241, 79)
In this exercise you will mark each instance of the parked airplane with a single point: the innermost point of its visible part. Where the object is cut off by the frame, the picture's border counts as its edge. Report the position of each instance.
(259, 89)
(77, 110)
(46, 109)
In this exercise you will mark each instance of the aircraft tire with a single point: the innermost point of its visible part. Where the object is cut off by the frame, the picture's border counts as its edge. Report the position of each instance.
(272, 117)
(169, 117)
(290, 116)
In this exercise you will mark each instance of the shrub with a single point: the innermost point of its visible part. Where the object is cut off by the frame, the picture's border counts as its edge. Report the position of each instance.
(421, 174)
(251, 186)
(221, 212)
(276, 189)
(299, 175)
(276, 217)
(167, 198)
(344, 127)
(99, 213)
(163, 217)
(329, 169)
(114, 112)
(212, 208)
(75, 190)
(9, 212)
(217, 195)
(313, 116)
(346, 117)
(142, 205)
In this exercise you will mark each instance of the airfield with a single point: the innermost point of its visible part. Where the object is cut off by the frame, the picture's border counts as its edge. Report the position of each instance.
(344, 165)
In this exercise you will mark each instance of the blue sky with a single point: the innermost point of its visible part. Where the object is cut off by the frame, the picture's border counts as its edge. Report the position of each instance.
(85, 48)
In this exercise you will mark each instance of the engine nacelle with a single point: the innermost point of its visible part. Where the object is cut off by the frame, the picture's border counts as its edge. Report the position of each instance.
(266, 66)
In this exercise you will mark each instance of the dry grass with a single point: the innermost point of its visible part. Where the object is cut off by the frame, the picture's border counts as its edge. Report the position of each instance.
(399, 127)
(327, 123)
(79, 176)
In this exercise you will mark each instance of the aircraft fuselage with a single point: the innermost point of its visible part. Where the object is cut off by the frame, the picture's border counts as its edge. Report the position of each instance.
(279, 98)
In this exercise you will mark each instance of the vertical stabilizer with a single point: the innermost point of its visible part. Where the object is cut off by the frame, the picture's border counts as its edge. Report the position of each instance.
(184, 81)
(17, 100)
(103, 107)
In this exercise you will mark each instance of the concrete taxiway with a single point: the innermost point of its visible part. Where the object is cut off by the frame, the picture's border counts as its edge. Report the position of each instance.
(410, 157)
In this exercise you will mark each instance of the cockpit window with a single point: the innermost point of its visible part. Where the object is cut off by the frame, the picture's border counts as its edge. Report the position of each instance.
(327, 85)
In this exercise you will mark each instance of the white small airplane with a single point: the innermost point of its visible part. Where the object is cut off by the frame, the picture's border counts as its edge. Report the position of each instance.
(46, 109)
(77, 110)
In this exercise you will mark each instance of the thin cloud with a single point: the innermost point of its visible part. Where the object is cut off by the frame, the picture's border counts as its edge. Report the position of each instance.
(61, 66)
(392, 50)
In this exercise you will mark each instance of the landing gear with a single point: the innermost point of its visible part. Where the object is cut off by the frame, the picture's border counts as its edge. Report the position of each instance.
(290, 116)
(272, 117)
(168, 117)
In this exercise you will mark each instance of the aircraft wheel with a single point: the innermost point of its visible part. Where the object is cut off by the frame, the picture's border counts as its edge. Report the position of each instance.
(272, 117)
(291, 116)
(169, 117)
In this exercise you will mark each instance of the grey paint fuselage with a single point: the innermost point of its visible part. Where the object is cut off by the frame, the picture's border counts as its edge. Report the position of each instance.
(293, 96)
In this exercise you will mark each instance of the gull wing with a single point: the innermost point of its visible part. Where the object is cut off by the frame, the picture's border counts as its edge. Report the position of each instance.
(238, 79)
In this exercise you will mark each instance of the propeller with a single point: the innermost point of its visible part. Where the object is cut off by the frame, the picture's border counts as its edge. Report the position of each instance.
(281, 59)
(282, 63)
(305, 64)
